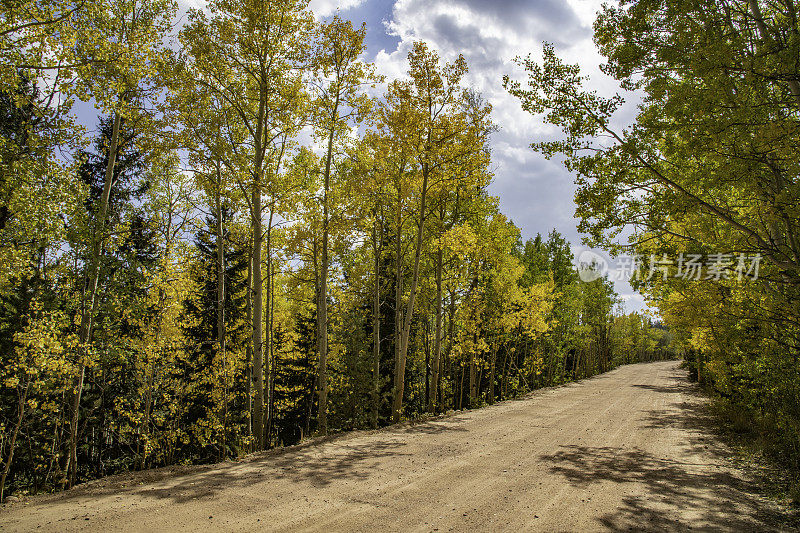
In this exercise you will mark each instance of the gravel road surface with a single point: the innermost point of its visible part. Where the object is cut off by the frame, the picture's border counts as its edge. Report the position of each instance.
(628, 450)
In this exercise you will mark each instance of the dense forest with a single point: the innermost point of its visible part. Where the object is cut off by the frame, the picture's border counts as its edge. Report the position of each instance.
(262, 240)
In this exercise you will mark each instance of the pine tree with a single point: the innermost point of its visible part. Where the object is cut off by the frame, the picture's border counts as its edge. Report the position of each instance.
(202, 350)
(294, 380)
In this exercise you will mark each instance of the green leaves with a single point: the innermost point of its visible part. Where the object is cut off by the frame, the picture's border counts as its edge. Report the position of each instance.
(121, 50)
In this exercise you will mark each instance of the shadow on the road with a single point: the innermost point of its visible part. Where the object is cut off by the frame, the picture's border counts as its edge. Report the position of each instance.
(318, 463)
(318, 466)
(674, 388)
(715, 499)
(351, 461)
(434, 427)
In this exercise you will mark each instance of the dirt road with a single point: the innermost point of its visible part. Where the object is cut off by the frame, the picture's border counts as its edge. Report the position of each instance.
(625, 450)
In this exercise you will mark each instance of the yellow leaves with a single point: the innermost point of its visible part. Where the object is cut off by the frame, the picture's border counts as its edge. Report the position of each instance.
(430, 80)
(460, 240)
(122, 52)
(536, 305)
(40, 343)
(702, 339)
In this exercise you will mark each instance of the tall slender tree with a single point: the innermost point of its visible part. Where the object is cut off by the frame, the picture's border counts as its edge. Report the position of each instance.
(251, 54)
(340, 101)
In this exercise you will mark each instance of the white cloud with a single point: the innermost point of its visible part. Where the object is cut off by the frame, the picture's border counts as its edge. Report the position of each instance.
(185, 5)
(324, 8)
(586, 10)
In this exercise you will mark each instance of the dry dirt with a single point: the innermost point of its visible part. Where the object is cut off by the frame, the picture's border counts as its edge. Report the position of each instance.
(628, 450)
